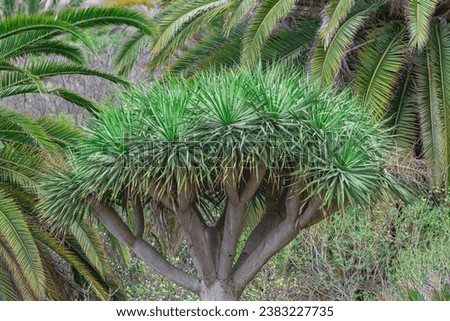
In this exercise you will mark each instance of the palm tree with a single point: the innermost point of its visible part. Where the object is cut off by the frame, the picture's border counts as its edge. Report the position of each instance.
(29, 147)
(30, 253)
(394, 53)
(202, 151)
(23, 36)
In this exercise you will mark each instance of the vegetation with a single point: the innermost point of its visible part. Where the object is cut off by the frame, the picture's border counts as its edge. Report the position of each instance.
(26, 36)
(271, 156)
(30, 255)
(379, 254)
(204, 151)
(393, 53)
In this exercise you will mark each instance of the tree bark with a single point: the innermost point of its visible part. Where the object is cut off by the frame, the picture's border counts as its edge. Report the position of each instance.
(218, 291)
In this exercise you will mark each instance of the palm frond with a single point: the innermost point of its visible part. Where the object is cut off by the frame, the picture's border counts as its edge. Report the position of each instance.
(91, 245)
(439, 47)
(15, 233)
(174, 23)
(430, 115)
(18, 128)
(97, 16)
(7, 287)
(58, 285)
(22, 287)
(380, 62)
(75, 98)
(261, 25)
(46, 68)
(19, 166)
(404, 114)
(75, 260)
(332, 16)
(237, 12)
(419, 15)
(201, 22)
(325, 62)
(16, 25)
(217, 49)
(291, 44)
(60, 131)
(51, 47)
(129, 52)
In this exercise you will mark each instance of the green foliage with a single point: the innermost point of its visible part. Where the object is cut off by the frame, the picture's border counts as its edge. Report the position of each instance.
(382, 254)
(263, 22)
(370, 45)
(28, 36)
(28, 149)
(188, 132)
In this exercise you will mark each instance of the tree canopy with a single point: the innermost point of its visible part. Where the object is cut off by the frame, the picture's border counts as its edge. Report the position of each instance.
(215, 152)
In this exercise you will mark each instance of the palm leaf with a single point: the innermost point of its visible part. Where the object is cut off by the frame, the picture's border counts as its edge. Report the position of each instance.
(325, 63)
(431, 118)
(15, 232)
(58, 286)
(291, 44)
(60, 131)
(419, 14)
(75, 98)
(239, 9)
(129, 52)
(404, 114)
(217, 49)
(44, 69)
(18, 128)
(440, 49)
(22, 287)
(7, 287)
(175, 22)
(75, 260)
(19, 166)
(333, 15)
(51, 47)
(91, 245)
(16, 25)
(189, 30)
(97, 16)
(380, 62)
(261, 25)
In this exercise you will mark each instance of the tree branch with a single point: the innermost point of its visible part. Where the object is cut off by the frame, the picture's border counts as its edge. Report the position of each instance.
(253, 183)
(163, 198)
(234, 222)
(279, 237)
(117, 227)
(113, 222)
(150, 255)
(273, 215)
(195, 231)
(236, 209)
(139, 223)
(231, 188)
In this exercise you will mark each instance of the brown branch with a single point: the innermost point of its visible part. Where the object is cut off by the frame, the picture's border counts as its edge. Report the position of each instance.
(234, 222)
(163, 198)
(139, 223)
(151, 256)
(236, 209)
(273, 215)
(253, 183)
(117, 227)
(279, 237)
(194, 227)
(113, 222)
(231, 187)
